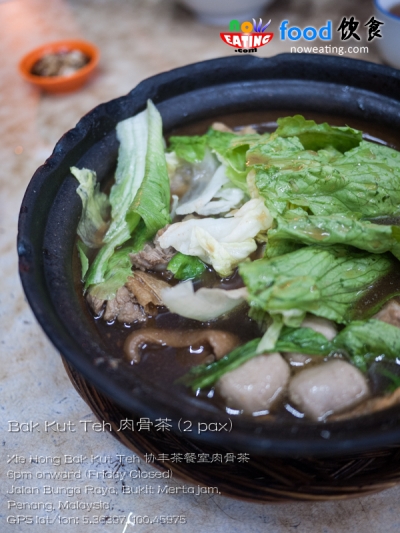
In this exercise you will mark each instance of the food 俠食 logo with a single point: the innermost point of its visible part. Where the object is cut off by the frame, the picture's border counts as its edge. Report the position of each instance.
(294, 33)
(247, 37)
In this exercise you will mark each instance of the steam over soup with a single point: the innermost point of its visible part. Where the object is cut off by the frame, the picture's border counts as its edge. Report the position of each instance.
(258, 269)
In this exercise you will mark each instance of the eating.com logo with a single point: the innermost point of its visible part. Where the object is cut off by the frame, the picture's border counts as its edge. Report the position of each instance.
(247, 36)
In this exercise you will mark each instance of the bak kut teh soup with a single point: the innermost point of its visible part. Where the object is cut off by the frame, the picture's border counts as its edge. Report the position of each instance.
(256, 267)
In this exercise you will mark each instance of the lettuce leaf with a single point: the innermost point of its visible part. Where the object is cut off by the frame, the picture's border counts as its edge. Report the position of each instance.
(304, 340)
(221, 242)
(363, 181)
(211, 192)
(335, 229)
(203, 189)
(186, 267)
(234, 157)
(93, 223)
(140, 198)
(230, 148)
(190, 148)
(226, 199)
(367, 340)
(193, 147)
(276, 247)
(132, 134)
(328, 282)
(119, 268)
(271, 335)
(83, 251)
(152, 200)
(203, 305)
(315, 136)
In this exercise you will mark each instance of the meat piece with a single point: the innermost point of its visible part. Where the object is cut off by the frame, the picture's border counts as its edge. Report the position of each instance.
(124, 308)
(372, 405)
(390, 313)
(328, 388)
(95, 303)
(220, 342)
(153, 257)
(256, 385)
(243, 130)
(220, 126)
(146, 289)
(130, 313)
(326, 327)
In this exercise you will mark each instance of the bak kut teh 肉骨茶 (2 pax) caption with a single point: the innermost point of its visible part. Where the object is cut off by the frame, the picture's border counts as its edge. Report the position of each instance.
(256, 269)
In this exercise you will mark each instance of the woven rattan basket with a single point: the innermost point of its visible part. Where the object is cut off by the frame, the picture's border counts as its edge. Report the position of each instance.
(262, 479)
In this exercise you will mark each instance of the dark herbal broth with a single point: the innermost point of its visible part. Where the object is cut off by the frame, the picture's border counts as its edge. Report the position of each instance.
(162, 365)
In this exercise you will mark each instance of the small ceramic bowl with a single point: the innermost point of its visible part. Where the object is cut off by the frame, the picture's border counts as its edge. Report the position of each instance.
(389, 43)
(220, 12)
(65, 83)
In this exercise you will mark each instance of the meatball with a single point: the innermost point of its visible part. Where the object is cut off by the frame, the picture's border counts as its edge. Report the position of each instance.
(256, 385)
(328, 388)
(326, 327)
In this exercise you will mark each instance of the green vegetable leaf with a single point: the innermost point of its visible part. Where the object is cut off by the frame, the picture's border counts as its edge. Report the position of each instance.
(186, 267)
(326, 282)
(315, 136)
(190, 148)
(230, 149)
(100, 266)
(140, 197)
(132, 134)
(152, 201)
(202, 376)
(270, 337)
(83, 250)
(233, 154)
(303, 340)
(335, 229)
(394, 379)
(276, 247)
(367, 340)
(95, 208)
(119, 268)
(364, 180)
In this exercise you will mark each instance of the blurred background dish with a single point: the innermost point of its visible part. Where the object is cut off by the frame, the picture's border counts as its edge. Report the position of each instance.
(388, 11)
(60, 67)
(220, 12)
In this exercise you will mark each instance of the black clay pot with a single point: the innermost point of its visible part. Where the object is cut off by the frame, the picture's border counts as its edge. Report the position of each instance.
(350, 91)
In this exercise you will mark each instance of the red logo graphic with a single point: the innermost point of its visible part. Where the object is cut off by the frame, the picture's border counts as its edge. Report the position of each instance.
(252, 36)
